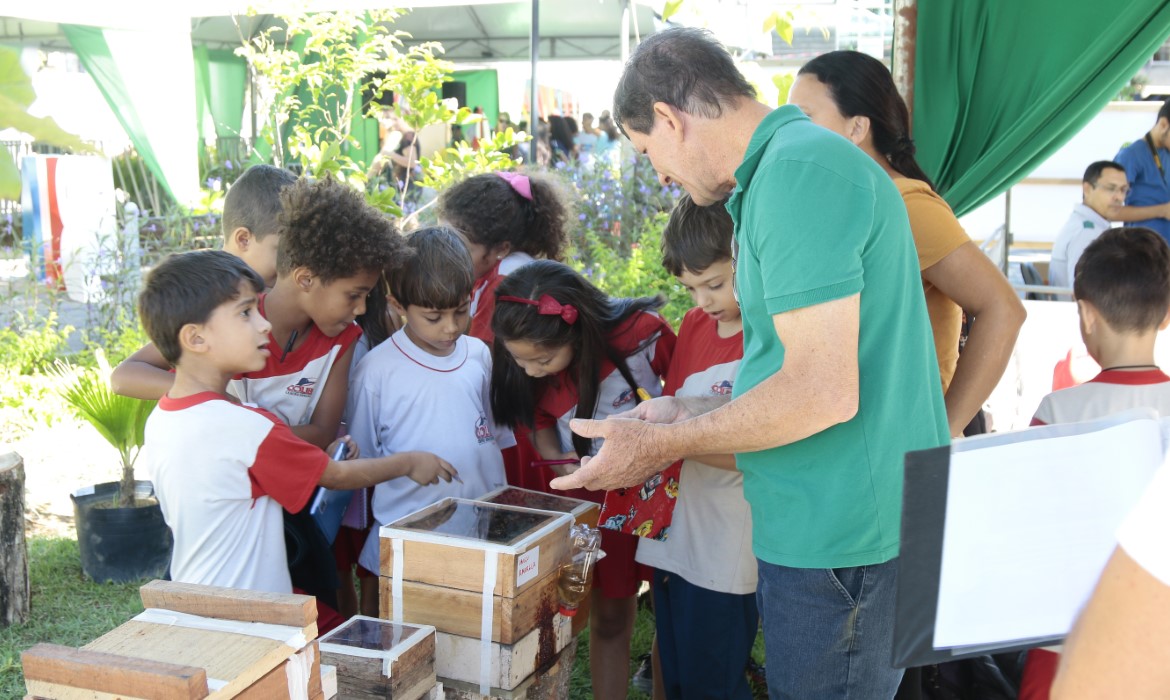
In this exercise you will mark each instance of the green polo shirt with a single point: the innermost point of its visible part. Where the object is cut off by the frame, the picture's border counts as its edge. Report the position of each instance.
(816, 220)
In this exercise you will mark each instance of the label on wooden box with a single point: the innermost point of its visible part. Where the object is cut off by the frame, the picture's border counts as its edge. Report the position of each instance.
(527, 566)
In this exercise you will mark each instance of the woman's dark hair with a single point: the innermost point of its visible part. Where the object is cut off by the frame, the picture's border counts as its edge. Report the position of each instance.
(514, 393)
(488, 211)
(377, 323)
(606, 125)
(862, 86)
(559, 135)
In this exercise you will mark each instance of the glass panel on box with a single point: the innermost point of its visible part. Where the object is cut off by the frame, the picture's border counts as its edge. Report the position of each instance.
(485, 522)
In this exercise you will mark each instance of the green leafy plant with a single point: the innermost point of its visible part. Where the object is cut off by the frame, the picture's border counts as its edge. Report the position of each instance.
(638, 272)
(313, 74)
(27, 347)
(121, 420)
(16, 94)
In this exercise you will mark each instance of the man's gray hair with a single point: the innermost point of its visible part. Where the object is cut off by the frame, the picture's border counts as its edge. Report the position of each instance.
(684, 67)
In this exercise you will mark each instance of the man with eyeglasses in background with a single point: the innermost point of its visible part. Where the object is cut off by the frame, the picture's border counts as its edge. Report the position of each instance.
(1147, 166)
(1103, 191)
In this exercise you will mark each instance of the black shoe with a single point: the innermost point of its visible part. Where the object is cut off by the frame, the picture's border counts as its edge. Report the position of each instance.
(643, 680)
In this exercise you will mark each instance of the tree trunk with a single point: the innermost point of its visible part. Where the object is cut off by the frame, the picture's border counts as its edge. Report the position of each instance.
(13, 551)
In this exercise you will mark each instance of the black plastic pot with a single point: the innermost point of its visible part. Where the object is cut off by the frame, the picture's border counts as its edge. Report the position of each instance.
(120, 544)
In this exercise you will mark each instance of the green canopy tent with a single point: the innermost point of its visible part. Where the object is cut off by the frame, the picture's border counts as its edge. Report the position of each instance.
(169, 70)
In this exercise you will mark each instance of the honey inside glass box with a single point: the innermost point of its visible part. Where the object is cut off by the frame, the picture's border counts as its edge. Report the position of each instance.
(438, 564)
(583, 512)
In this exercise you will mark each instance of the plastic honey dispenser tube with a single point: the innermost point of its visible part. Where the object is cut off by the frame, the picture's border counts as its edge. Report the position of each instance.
(575, 578)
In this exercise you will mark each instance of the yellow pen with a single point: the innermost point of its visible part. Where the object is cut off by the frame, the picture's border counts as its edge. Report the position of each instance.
(643, 394)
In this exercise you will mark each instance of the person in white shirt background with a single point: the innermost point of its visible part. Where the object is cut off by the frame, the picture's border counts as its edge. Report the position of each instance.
(1103, 189)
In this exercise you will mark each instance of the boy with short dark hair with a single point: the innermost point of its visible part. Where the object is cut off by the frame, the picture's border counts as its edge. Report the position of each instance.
(251, 232)
(704, 572)
(251, 212)
(1122, 289)
(221, 470)
(428, 386)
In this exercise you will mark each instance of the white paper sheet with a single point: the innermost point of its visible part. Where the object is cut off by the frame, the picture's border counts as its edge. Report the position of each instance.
(1030, 522)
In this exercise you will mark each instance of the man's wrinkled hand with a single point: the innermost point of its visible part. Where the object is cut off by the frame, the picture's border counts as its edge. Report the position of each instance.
(629, 456)
(664, 409)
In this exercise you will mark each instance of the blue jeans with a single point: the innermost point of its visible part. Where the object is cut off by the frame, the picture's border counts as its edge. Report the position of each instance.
(704, 639)
(828, 633)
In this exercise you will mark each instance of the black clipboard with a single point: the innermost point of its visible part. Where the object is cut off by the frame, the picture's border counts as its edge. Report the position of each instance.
(924, 502)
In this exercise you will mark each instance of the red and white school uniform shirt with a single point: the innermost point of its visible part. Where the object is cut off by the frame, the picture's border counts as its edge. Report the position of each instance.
(709, 542)
(483, 295)
(290, 386)
(222, 472)
(1109, 392)
(647, 341)
(404, 399)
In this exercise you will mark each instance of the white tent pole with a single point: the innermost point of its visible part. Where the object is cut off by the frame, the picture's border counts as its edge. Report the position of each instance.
(625, 37)
(533, 105)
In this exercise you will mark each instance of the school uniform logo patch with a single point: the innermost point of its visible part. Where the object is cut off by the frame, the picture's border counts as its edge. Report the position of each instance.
(483, 432)
(722, 388)
(623, 398)
(304, 388)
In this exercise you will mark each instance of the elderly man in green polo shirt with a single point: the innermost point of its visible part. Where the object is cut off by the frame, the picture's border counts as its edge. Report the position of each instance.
(838, 379)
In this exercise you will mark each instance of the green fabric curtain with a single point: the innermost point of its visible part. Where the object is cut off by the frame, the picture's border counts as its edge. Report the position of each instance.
(1000, 86)
(221, 80)
(483, 90)
(148, 78)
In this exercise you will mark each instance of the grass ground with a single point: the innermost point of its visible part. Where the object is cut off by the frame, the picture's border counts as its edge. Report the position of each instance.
(71, 610)
(64, 608)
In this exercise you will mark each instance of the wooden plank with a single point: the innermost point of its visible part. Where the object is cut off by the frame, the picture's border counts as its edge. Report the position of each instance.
(458, 612)
(237, 659)
(287, 609)
(551, 683)
(48, 665)
(278, 683)
(14, 591)
(458, 657)
(462, 567)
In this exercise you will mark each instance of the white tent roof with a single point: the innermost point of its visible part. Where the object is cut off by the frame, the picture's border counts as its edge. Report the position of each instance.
(470, 30)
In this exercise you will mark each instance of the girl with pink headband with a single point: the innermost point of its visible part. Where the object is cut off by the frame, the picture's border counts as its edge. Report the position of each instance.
(508, 219)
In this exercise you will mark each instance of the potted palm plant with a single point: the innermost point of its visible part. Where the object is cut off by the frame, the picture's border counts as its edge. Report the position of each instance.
(120, 528)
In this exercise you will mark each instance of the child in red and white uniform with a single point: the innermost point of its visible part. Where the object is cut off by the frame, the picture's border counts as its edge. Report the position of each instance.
(427, 387)
(704, 569)
(333, 247)
(1122, 289)
(565, 350)
(251, 232)
(507, 219)
(222, 471)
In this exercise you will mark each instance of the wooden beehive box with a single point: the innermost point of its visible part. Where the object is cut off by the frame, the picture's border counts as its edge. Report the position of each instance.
(446, 544)
(191, 642)
(457, 658)
(461, 612)
(381, 659)
(583, 512)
